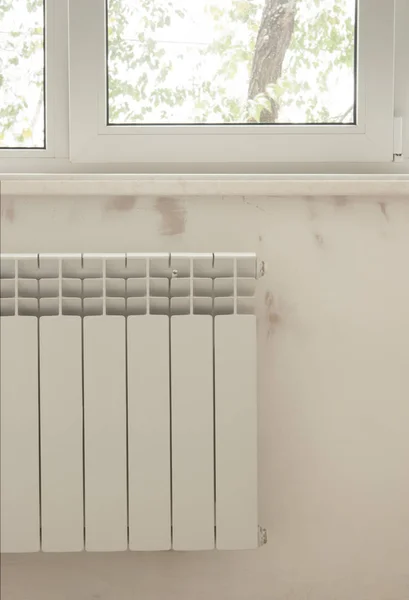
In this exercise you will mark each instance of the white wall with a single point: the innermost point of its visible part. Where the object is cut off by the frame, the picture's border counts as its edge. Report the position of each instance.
(334, 395)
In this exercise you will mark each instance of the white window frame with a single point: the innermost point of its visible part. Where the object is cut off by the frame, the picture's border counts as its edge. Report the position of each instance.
(370, 140)
(402, 74)
(78, 140)
(55, 89)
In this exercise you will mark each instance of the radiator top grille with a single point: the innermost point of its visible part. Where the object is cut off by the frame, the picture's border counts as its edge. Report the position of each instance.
(128, 284)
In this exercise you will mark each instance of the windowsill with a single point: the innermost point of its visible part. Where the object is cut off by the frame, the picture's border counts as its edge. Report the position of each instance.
(204, 185)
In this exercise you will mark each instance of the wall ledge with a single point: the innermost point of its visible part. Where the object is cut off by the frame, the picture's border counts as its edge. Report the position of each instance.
(204, 185)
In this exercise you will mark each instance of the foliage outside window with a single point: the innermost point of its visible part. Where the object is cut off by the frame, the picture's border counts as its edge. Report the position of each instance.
(231, 61)
(22, 115)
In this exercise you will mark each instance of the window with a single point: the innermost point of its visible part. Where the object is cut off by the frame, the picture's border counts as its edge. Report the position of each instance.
(22, 60)
(138, 102)
(231, 61)
(211, 85)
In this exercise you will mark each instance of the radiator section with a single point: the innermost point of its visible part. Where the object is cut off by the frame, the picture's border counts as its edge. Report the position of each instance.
(20, 493)
(236, 432)
(149, 466)
(61, 428)
(105, 434)
(192, 432)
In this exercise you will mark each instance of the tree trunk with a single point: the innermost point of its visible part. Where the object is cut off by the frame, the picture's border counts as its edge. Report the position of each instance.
(273, 39)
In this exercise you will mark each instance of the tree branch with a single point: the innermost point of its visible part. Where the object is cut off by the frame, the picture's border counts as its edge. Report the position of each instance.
(273, 39)
(341, 118)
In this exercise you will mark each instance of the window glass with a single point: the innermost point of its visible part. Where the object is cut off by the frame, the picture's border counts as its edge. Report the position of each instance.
(22, 110)
(231, 61)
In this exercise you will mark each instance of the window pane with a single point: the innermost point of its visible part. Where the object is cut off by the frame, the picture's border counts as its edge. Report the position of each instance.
(231, 61)
(22, 121)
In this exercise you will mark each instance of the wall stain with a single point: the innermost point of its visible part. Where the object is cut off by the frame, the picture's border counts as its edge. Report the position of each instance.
(8, 212)
(260, 238)
(253, 204)
(341, 201)
(173, 215)
(319, 239)
(272, 314)
(121, 203)
(384, 211)
(312, 210)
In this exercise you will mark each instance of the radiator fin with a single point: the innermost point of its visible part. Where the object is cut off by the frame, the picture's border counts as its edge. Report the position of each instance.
(61, 434)
(192, 432)
(149, 433)
(236, 432)
(20, 508)
(105, 434)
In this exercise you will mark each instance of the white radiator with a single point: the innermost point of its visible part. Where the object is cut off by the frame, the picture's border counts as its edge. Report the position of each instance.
(128, 402)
